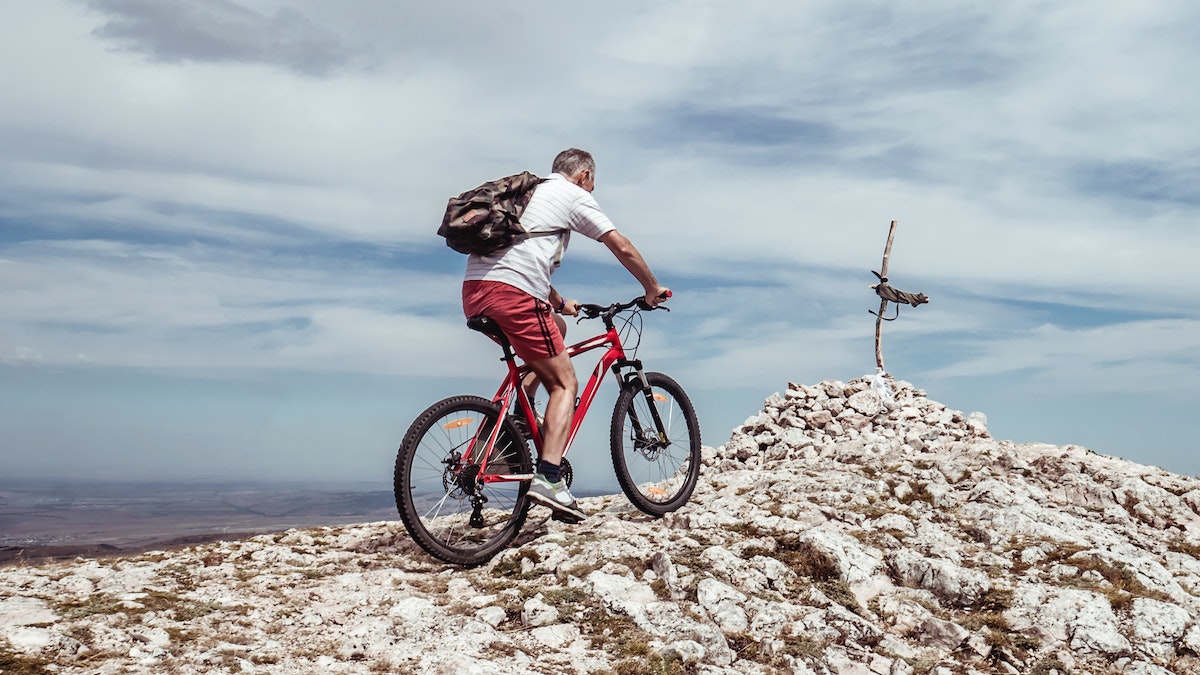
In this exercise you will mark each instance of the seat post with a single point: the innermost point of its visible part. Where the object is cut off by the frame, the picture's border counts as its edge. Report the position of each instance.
(486, 325)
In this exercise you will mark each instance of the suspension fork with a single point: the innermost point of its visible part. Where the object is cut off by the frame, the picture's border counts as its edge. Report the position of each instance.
(637, 378)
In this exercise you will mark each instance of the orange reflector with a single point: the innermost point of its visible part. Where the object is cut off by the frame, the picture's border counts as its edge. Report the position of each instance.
(459, 423)
(660, 398)
(656, 491)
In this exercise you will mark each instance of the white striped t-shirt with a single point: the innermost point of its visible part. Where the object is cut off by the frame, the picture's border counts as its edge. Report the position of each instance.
(557, 204)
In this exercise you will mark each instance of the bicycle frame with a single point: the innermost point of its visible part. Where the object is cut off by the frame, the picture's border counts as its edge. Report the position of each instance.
(613, 358)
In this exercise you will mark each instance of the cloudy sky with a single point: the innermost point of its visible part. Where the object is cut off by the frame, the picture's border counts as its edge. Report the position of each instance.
(217, 249)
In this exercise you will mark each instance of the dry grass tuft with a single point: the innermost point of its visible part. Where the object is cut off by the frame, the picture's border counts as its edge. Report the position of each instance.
(12, 663)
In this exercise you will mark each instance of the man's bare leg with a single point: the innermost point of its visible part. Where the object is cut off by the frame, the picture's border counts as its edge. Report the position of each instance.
(548, 488)
(557, 374)
(532, 380)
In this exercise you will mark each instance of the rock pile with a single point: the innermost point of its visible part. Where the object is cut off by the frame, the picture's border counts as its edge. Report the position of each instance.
(838, 531)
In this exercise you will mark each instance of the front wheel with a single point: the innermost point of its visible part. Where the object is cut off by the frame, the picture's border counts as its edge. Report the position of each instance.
(443, 491)
(657, 466)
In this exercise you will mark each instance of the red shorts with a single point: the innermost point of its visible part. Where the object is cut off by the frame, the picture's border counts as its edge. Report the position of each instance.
(527, 321)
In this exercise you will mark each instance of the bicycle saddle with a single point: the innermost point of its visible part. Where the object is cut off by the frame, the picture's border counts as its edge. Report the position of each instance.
(484, 324)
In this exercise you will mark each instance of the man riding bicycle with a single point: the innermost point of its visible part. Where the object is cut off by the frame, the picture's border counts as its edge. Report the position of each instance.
(512, 286)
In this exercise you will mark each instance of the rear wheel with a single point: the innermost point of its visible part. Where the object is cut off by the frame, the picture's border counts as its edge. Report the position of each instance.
(657, 471)
(446, 504)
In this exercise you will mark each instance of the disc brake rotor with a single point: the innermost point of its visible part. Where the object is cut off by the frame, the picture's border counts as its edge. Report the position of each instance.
(648, 444)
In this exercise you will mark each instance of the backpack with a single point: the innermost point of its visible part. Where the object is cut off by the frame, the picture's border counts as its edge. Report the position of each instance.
(487, 218)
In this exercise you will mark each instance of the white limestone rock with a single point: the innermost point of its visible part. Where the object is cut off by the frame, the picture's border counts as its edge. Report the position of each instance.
(829, 534)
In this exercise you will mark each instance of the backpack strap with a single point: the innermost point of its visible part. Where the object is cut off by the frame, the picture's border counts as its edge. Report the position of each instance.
(547, 233)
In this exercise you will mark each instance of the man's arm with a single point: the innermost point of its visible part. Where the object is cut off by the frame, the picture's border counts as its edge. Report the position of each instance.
(562, 304)
(629, 256)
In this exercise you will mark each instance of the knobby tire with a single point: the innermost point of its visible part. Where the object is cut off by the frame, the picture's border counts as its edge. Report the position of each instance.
(435, 499)
(657, 478)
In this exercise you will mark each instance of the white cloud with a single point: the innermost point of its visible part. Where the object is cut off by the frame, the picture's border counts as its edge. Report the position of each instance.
(181, 197)
(1134, 356)
(20, 356)
(186, 308)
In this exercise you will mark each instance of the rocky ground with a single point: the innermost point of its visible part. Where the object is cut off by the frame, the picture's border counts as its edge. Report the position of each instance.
(837, 531)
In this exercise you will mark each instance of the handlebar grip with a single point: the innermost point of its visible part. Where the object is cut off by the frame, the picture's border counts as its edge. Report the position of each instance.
(640, 301)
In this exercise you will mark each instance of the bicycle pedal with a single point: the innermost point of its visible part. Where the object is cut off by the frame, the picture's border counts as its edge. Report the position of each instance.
(565, 518)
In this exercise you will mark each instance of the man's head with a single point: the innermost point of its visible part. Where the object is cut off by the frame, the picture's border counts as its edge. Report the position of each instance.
(578, 167)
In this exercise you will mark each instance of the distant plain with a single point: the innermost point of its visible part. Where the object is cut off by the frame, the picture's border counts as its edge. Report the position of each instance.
(42, 519)
(61, 519)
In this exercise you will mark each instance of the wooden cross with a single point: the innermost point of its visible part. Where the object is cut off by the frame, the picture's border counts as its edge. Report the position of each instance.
(888, 294)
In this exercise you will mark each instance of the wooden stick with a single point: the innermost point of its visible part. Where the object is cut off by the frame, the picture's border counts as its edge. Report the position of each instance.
(887, 252)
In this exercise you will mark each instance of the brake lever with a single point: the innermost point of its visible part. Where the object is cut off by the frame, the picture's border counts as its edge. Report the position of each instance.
(589, 311)
(645, 306)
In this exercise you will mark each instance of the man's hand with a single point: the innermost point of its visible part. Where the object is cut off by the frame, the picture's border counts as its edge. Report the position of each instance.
(570, 307)
(657, 296)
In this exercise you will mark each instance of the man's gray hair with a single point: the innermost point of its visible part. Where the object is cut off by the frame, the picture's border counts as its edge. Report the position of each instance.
(573, 160)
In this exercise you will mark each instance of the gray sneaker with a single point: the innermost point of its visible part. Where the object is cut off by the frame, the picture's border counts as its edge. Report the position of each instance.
(557, 497)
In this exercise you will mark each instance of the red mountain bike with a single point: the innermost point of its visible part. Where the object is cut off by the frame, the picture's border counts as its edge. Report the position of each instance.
(464, 466)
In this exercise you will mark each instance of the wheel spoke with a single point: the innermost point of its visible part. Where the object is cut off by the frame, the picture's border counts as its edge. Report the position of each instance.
(436, 507)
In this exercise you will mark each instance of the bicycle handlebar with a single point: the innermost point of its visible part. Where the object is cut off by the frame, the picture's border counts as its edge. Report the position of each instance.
(592, 311)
